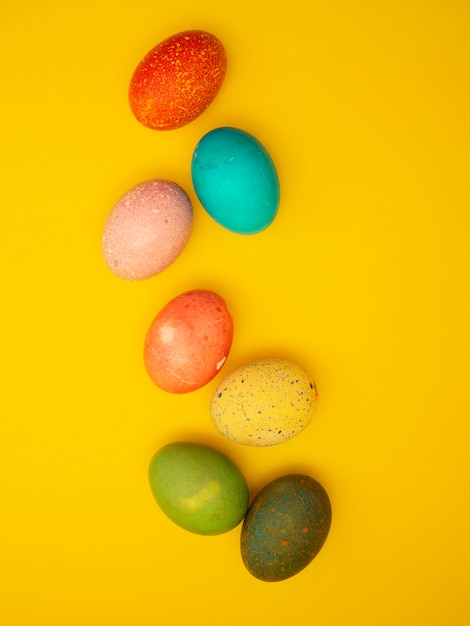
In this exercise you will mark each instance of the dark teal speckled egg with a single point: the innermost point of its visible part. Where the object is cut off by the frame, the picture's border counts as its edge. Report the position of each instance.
(285, 527)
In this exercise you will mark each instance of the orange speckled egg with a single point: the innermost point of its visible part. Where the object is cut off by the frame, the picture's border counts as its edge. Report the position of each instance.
(188, 341)
(177, 80)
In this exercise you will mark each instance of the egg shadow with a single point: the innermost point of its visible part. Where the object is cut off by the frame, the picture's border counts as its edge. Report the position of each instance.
(215, 440)
(283, 352)
(304, 467)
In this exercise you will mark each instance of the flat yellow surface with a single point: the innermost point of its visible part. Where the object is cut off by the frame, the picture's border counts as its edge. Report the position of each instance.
(363, 278)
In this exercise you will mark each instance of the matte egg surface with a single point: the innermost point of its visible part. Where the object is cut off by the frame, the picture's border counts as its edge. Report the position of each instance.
(147, 229)
(198, 487)
(235, 180)
(285, 527)
(177, 80)
(264, 403)
(188, 341)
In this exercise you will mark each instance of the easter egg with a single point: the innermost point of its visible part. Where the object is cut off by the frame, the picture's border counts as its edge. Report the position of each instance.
(188, 341)
(264, 403)
(199, 488)
(235, 180)
(177, 80)
(147, 229)
(285, 527)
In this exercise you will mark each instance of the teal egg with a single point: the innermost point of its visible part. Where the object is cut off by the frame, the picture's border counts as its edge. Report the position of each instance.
(199, 488)
(285, 527)
(235, 180)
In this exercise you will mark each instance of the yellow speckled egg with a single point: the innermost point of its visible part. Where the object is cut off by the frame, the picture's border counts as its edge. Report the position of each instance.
(264, 402)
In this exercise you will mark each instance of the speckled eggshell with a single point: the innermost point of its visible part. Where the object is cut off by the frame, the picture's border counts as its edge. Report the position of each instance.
(177, 80)
(235, 180)
(188, 341)
(147, 229)
(264, 403)
(285, 527)
(199, 488)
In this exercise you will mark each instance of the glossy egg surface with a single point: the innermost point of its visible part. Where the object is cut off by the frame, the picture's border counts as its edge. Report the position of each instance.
(188, 341)
(198, 487)
(235, 180)
(177, 80)
(285, 527)
(264, 403)
(147, 229)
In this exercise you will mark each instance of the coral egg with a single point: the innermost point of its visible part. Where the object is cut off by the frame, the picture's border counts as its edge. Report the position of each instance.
(189, 341)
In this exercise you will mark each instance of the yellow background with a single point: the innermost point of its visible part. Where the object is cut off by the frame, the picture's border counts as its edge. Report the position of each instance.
(363, 278)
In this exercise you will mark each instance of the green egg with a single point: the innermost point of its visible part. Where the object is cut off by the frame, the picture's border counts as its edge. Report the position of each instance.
(198, 488)
(285, 527)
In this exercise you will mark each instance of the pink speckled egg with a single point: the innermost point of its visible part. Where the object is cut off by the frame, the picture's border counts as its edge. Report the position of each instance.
(147, 229)
(189, 341)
